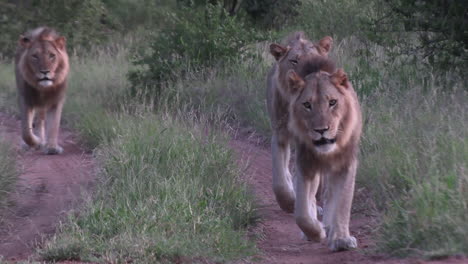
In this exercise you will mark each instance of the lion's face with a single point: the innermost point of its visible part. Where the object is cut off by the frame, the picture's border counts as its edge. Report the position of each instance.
(44, 61)
(318, 109)
(289, 57)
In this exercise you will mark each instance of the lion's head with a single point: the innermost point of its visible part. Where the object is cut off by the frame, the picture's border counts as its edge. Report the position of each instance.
(324, 111)
(298, 48)
(44, 60)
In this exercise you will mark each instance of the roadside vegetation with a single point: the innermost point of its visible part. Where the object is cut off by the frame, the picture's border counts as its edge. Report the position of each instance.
(153, 102)
(7, 173)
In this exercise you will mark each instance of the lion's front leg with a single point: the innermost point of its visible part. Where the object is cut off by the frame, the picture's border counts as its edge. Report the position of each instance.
(282, 179)
(306, 208)
(41, 124)
(54, 114)
(27, 133)
(338, 199)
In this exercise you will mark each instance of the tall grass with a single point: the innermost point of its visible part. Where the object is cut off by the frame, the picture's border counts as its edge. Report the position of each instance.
(7, 173)
(414, 161)
(169, 189)
(414, 151)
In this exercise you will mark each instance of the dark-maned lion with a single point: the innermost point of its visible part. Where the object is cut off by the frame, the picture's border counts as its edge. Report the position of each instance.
(41, 69)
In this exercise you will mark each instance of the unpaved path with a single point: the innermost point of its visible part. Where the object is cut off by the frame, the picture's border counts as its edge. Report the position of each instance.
(48, 188)
(282, 243)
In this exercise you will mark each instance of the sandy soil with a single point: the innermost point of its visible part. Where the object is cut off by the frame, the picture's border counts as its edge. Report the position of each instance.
(48, 188)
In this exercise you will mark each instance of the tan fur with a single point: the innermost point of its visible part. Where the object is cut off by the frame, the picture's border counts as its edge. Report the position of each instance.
(325, 122)
(288, 57)
(41, 69)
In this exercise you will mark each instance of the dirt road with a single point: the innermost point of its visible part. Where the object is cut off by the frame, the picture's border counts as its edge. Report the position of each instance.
(47, 188)
(282, 243)
(50, 186)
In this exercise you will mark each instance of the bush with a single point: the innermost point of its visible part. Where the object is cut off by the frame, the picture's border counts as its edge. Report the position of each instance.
(272, 13)
(193, 38)
(82, 22)
(433, 32)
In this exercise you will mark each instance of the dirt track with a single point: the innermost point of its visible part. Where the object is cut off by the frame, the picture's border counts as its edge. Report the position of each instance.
(50, 186)
(47, 188)
(282, 243)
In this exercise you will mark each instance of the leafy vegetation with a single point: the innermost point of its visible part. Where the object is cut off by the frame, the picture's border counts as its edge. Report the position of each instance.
(191, 39)
(7, 173)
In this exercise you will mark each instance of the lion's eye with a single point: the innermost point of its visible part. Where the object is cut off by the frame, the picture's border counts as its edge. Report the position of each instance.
(35, 57)
(307, 105)
(52, 56)
(293, 62)
(332, 102)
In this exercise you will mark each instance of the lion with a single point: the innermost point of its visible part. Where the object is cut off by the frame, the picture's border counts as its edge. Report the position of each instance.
(287, 57)
(41, 70)
(325, 122)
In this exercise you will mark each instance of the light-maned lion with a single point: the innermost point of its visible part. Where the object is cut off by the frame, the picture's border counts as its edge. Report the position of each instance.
(41, 69)
(287, 57)
(325, 122)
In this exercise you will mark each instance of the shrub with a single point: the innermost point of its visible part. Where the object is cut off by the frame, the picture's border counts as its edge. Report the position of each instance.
(82, 22)
(193, 38)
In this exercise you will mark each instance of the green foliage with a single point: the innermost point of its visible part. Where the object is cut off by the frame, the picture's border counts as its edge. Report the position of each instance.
(414, 161)
(339, 18)
(268, 14)
(191, 39)
(131, 15)
(7, 172)
(169, 191)
(438, 26)
(82, 22)
(272, 13)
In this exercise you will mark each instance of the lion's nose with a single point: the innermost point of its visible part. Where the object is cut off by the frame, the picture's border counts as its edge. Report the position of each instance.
(321, 130)
(44, 71)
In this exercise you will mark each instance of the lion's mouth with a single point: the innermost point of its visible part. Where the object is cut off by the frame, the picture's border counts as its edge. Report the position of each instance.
(45, 79)
(324, 141)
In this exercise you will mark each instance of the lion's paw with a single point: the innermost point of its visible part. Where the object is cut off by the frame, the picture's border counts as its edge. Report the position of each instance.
(313, 239)
(341, 244)
(317, 236)
(53, 150)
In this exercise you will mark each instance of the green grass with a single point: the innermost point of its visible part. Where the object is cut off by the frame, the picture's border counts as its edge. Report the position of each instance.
(163, 198)
(7, 172)
(169, 190)
(414, 151)
(414, 161)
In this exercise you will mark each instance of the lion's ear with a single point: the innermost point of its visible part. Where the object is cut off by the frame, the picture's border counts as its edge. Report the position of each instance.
(277, 50)
(60, 42)
(325, 45)
(295, 82)
(340, 79)
(24, 41)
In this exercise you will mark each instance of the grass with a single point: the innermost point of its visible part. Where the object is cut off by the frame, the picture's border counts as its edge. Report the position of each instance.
(414, 150)
(169, 189)
(7, 172)
(414, 160)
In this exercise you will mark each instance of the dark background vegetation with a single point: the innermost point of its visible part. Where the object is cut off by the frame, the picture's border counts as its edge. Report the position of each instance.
(204, 29)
